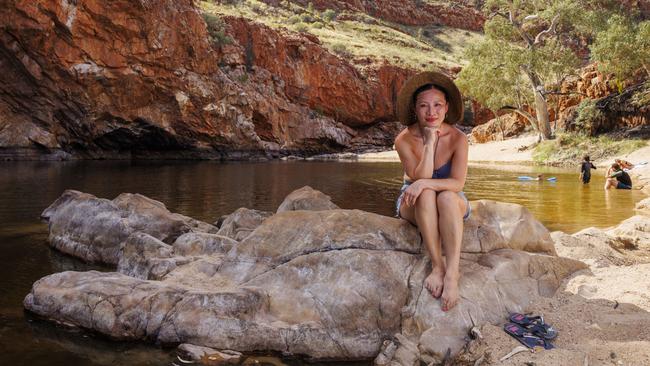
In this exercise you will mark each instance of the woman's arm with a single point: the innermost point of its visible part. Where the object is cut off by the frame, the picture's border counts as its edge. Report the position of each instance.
(456, 180)
(414, 167)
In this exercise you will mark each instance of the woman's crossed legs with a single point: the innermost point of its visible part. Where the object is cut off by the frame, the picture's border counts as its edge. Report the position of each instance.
(439, 215)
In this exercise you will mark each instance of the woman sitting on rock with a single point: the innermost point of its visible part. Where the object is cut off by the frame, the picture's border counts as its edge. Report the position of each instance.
(434, 157)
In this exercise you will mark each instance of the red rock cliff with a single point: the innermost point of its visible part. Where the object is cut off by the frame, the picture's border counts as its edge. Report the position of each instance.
(138, 78)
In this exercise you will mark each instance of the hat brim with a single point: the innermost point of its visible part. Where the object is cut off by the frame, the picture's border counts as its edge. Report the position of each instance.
(405, 108)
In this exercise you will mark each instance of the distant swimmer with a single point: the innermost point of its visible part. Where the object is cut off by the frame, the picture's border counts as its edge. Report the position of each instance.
(540, 177)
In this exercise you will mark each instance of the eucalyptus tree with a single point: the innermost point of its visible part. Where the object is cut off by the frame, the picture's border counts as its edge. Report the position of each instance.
(623, 47)
(529, 48)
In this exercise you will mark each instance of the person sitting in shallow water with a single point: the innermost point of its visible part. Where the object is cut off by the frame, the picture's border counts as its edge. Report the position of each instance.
(618, 178)
(433, 154)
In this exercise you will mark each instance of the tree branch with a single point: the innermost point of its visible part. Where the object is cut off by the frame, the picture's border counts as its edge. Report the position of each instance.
(551, 29)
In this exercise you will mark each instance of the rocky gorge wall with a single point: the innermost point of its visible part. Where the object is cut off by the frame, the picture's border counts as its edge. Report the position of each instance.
(141, 79)
(89, 79)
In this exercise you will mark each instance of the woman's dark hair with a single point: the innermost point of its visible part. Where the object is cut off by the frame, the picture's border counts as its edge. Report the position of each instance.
(426, 87)
(586, 158)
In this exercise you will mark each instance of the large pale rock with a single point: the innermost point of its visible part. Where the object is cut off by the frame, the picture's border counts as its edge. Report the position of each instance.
(626, 244)
(94, 228)
(143, 256)
(305, 232)
(592, 246)
(495, 225)
(491, 286)
(330, 284)
(633, 233)
(242, 222)
(203, 243)
(307, 198)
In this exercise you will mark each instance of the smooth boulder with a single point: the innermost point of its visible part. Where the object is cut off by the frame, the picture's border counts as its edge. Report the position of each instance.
(94, 229)
(329, 284)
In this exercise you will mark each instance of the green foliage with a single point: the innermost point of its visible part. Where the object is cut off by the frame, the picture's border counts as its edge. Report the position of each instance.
(318, 25)
(257, 8)
(329, 15)
(587, 117)
(341, 49)
(216, 30)
(301, 27)
(493, 76)
(307, 18)
(294, 19)
(623, 47)
(642, 97)
(570, 148)
(310, 8)
(527, 48)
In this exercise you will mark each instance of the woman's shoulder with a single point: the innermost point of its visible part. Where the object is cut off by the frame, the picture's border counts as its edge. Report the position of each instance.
(404, 138)
(457, 135)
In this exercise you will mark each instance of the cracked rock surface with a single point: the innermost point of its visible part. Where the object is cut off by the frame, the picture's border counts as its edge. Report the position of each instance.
(328, 283)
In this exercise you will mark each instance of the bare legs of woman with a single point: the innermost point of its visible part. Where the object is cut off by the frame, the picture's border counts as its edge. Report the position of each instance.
(439, 215)
(610, 182)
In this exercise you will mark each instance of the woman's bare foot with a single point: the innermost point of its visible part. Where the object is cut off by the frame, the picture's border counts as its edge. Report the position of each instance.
(450, 294)
(434, 282)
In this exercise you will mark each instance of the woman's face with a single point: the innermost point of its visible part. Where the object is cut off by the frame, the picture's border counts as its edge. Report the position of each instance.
(431, 108)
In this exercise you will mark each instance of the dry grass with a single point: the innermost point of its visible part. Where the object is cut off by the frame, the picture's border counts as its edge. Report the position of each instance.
(362, 36)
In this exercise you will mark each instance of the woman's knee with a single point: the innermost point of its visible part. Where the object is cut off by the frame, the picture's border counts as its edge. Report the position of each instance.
(447, 200)
(426, 199)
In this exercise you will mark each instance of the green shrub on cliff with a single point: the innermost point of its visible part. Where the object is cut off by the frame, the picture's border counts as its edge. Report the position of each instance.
(329, 15)
(301, 27)
(587, 116)
(216, 30)
(307, 18)
(341, 49)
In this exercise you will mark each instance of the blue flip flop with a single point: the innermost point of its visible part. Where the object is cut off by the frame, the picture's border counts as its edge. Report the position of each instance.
(535, 325)
(525, 337)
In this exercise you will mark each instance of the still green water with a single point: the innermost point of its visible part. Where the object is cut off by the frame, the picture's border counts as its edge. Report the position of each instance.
(207, 190)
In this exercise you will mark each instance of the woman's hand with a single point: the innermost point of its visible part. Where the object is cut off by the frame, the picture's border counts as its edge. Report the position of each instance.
(412, 193)
(430, 134)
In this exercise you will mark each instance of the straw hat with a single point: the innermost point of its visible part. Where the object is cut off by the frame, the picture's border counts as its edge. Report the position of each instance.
(405, 104)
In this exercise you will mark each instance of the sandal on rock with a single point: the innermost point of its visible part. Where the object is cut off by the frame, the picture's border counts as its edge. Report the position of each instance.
(525, 337)
(535, 325)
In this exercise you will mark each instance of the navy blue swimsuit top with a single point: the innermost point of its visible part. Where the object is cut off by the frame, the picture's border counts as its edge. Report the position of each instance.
(443, 172)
